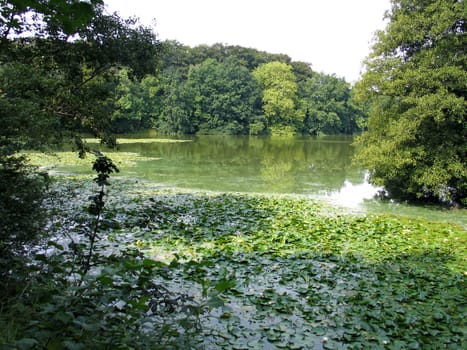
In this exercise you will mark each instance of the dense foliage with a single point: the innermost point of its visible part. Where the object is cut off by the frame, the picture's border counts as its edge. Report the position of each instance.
(52, 85)
(225, 96)
(416, 87)
(279, 90)
(43, 17)
(59, 63)
(189, 270)
(21, 215)
(234, 90)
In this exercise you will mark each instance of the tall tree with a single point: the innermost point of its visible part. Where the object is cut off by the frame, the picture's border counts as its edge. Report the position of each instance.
(416, 87)
(52, 87)
(77, 78)
(279, 92)
(226, 96)
(53, 18)
(178, 104)
(138, 103)
(326, 103)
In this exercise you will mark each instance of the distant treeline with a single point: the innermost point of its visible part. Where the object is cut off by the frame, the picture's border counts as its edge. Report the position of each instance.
(222, 89)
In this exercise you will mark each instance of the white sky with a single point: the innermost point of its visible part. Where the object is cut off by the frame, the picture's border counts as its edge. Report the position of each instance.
(333, 35)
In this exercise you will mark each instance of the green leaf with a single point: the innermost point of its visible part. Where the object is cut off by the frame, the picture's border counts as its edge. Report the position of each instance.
(26, 343)
(215, 301)
(71, 345)
(225, 284)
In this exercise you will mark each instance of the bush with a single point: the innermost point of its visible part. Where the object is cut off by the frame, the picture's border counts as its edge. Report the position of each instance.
(22, 190)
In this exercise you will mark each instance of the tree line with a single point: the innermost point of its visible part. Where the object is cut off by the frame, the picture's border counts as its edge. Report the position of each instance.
(222, 89)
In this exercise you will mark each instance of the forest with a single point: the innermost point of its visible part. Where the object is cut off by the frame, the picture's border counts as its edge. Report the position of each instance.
(118, 263)
(234, 90)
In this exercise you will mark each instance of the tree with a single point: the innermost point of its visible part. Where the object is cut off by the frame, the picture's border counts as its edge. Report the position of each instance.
(326, 102)
(294, 97)
(279, 92)
(53, 18)
(415, 85)
(175, 55)
(75, 81)
(226, 95)
(178, 104)
(53, 88)
(251, 58)
(302, 71)
(137, 103)
(32, 103)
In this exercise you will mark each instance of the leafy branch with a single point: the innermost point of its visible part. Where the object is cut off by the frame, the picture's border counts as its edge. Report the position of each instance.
(104, 167)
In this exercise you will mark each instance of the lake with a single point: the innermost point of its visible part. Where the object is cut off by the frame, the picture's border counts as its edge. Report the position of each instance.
(316, 167)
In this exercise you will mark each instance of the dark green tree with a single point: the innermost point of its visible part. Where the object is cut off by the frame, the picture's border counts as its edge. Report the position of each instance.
(32, 105)
(327, 106)
(175, 54)
(295, 98)
(415, 85)
(302, 72)
(138, 103)
(178, 104)
(53, 88)
(57, 18)
(77, 78)
(226, 95)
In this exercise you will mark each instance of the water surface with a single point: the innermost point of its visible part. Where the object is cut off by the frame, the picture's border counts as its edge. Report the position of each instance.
(250, 164)
(317, 167)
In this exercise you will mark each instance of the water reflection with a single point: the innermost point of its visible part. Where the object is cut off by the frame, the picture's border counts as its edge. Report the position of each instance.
(315, 167)
(299, 165)
(354, 195)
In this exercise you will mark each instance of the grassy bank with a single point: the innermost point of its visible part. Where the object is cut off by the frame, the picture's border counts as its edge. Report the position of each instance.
(225, 271)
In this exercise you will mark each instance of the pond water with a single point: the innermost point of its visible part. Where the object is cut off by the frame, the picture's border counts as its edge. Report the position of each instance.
(317, 167)
(250, 164)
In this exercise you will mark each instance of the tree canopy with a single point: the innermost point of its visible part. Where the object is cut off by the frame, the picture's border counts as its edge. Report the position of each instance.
(416, 86)
(66, 85)
(225, 95)
(59, 72)
(45, 17)
(236, 90)
(279, 91)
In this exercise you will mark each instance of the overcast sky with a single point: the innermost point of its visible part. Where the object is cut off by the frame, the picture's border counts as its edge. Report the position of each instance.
(333, 35)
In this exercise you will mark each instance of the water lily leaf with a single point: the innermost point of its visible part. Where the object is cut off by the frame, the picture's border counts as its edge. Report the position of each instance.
(215, 301)
(225, 284)
(70, 345)
(26, 343)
